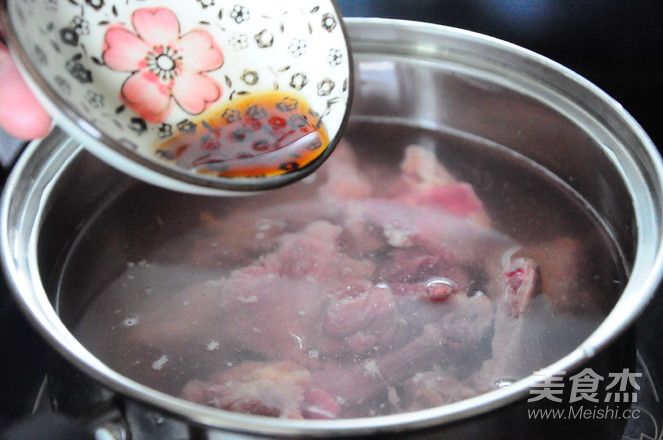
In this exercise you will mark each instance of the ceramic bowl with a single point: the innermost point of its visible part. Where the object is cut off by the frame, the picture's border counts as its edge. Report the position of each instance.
(140, 81)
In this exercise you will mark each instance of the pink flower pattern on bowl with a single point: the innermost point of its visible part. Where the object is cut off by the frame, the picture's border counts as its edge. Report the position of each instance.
(166, 66)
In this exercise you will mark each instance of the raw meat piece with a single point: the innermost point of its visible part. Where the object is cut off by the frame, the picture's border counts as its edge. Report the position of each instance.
(292, 306)
(314, 253)
(360, 237)
(277, 389)
(466, 321)
(299, 319)
(184, 323)
(426, 182)
(366, 316)
(231, 241)
(343, 177)
(417, 266)
(421, 169)
(519, 283)
(561, 262)
(354, 384)
(434, 388)
(457, 199)
(438, 233)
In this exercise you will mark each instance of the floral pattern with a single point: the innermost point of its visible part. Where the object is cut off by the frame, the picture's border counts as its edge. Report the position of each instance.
(297, 48)
(78, 70)
(328, 22)
(240, 14)
(298, 81)
(239, 41)
(264, 38)
(250, 77)
(135, 71)
(206, 3)
(325, 87)
(94, 99)
(96, 4)
(166, 66)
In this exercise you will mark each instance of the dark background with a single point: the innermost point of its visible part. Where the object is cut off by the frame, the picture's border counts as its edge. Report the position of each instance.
(618, 45)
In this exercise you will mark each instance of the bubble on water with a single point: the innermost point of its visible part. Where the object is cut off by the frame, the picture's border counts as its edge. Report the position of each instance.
(313, 354)
(439, 288)
(148, 291)
(130, 321)
(382, 285)
(504, 382)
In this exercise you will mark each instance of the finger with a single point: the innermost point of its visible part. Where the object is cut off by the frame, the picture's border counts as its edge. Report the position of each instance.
(20, 113)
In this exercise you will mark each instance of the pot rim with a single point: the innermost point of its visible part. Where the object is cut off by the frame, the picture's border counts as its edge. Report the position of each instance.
(21, 268)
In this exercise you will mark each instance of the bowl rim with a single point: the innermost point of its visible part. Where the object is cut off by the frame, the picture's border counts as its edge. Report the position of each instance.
(647, 270)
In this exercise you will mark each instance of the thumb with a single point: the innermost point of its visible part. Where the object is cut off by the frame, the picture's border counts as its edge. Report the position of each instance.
(20, 114)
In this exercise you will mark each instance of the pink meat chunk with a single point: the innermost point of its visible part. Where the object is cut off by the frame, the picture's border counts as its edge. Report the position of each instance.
(354, 384)
(366, 317)
(422, 169)
(426, 182)
(561, 266)
(315, 253)
(305, 300)
(519, 283)
(290, 319)
(276, 389)
(463, 322)
(343, 177)
(437, 232)
(434, 388)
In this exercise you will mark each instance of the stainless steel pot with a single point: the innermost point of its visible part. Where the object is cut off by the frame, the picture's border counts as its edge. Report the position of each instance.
(424, 76)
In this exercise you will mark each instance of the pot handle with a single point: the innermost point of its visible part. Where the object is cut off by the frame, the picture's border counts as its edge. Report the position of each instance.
(47, 426)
